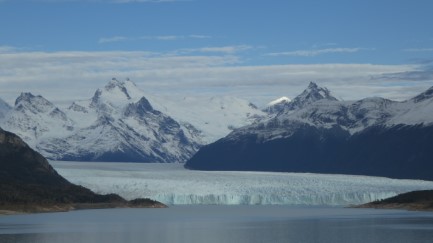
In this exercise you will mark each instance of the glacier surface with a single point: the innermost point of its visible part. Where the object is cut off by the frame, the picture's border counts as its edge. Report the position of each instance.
(174, 185)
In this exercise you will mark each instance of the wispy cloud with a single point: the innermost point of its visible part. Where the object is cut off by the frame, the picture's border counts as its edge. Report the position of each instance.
(316, 52)
(216, 49)
(422, 72)
(418, 50)
(113, 39)
(160, 38)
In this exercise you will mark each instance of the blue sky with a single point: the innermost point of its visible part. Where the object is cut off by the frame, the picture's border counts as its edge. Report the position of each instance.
(254, 49)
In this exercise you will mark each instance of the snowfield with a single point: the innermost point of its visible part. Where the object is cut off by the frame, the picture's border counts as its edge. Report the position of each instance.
(174, 185)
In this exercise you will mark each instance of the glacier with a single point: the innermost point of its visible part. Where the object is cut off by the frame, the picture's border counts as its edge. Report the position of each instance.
(174, 185)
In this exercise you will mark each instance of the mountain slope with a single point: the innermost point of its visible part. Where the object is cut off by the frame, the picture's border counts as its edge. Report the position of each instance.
(116, 124)
(28, 183)
(34, 119)
(29, 178)
(320, 134)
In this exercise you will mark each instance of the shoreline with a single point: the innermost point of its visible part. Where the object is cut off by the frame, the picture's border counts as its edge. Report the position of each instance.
(413, 201)
(55, 208)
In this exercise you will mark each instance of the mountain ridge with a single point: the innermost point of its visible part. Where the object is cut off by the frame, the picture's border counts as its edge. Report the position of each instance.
(372, 136)
(122, 123)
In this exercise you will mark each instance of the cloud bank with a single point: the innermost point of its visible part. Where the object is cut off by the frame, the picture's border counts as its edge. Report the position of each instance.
(66, 76)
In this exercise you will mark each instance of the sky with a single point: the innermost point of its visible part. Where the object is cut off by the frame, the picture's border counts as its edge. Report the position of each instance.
(258, 49)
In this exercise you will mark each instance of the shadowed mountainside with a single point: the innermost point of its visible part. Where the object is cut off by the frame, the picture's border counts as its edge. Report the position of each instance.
(28, 183)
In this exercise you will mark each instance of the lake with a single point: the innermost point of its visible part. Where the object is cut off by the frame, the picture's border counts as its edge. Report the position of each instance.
(217, 223)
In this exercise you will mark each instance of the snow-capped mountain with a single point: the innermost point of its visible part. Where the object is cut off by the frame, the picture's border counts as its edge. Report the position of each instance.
(317, 133)
(123, 123)
(35, 119)
(116, 124)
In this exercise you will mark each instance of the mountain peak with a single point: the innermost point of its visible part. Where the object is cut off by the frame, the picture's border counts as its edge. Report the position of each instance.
(121, 85)
(24, 97)
(117, 92)
(33, 102)
(314, 92)
(312, 85)
(310, 95)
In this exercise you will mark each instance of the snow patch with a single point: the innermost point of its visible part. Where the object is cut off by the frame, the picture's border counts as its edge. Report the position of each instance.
(279, 100)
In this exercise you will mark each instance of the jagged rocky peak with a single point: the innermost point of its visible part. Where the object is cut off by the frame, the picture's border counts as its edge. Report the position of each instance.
(35, 103)
(24, 97)
(428, 94)
(314, 93)
(310, 95)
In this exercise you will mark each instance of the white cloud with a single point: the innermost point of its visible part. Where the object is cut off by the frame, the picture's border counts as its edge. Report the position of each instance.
(316, 52)
(160, 37)
(65, 76)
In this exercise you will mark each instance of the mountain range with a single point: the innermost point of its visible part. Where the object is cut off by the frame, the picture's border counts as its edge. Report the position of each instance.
(123, 123)
(315, 132)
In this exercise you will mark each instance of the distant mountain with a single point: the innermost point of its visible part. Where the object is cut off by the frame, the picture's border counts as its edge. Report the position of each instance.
(317, 133)
(120, 125)
(35, 119)
(123, 123)
(116, 124)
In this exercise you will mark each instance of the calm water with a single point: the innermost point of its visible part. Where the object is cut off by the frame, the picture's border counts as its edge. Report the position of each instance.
(220, 224)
